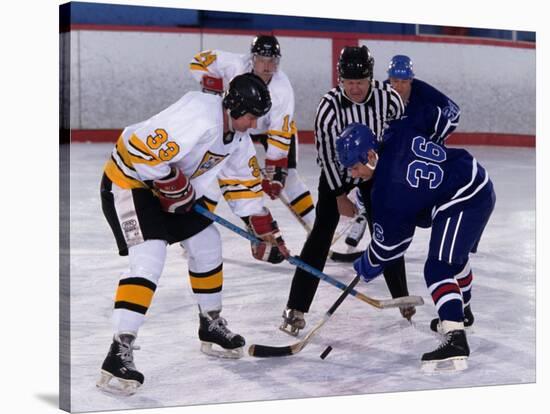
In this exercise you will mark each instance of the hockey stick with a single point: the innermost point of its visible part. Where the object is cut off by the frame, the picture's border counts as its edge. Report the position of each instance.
(347, 257)
(264, 351)
(377, 303)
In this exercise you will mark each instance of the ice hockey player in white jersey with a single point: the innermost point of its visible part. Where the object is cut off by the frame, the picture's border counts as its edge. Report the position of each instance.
(157, 171)
(276, 130)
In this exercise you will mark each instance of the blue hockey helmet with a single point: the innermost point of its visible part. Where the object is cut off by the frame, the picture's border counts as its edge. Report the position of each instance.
(354, 143)
(401, 67)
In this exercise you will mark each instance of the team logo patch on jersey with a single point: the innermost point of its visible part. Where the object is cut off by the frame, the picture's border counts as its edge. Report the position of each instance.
(451, 111)
(378, 232)
(209, 161)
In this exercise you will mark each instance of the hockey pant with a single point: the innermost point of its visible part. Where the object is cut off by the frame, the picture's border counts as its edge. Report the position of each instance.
(456, 233)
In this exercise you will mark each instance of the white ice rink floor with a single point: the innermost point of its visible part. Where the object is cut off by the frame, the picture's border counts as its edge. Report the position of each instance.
(374, 350)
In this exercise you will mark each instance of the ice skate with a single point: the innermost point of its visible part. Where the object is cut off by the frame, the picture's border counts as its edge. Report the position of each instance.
(452, 354)
(293, 321)
(356, 231)
(214, 334)
(119, 364)
(435, 325)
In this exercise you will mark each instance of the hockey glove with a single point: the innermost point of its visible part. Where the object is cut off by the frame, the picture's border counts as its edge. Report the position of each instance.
(272, 249)
(212, 85)
(175, 192)
(366, 268)
(275, 177)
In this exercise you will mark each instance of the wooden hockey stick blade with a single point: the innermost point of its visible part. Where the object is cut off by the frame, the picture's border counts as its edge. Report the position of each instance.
(266, 351)
(391, 303)
(345, 257)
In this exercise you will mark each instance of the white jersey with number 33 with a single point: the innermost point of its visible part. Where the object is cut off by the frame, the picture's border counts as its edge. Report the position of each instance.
(189, 135)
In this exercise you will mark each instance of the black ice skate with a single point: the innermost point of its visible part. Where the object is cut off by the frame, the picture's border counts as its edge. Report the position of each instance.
(119, 364)
(451, 355)
(468, 321)
(293, 321)
(213, 331)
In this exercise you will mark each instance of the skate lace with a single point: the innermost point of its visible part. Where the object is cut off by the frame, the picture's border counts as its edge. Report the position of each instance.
(127, 356)
(445, 341)
(219, 325)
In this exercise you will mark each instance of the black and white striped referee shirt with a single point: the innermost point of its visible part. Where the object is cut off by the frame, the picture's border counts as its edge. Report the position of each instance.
(336, 111)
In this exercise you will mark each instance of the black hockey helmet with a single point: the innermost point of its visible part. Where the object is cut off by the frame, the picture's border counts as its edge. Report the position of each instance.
(265, 45)
(355, 63)
(247, 93)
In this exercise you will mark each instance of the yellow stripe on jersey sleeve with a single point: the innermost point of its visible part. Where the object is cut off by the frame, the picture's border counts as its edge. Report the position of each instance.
(278, 144)
(197, 66)
(123, 153)
(282, 134)
(148, 157)
(116, 175)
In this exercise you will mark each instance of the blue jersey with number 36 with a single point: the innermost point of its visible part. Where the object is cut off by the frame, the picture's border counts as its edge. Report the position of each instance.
(414, 180)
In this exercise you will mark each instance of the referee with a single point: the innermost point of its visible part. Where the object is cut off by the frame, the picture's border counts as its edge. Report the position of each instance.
(358, 98)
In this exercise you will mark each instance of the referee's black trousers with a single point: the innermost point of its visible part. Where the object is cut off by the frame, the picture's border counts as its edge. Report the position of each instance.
(317, 246)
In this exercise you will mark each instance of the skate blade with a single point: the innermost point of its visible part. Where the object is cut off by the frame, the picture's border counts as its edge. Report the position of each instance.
(120, 387)
(446, 365)
(208, 349)
(289, 330)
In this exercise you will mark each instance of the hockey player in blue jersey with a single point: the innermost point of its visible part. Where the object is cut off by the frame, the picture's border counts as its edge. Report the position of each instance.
(417, 182)
(416, 93)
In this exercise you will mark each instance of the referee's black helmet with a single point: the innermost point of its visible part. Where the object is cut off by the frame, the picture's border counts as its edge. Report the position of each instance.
(355, 63)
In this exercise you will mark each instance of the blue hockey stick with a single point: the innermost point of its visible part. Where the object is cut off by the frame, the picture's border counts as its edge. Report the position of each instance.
(377, 303)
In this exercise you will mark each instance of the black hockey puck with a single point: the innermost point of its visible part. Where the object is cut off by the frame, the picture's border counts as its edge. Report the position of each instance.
(326, 352)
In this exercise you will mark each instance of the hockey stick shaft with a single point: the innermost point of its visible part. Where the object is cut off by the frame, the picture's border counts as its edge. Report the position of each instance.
(380, 304)
(274, 351)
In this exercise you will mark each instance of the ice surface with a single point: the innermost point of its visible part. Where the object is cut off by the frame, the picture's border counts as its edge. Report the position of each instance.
(374, 350)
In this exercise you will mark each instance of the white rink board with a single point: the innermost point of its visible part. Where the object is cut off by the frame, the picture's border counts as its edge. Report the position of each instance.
(125, 77)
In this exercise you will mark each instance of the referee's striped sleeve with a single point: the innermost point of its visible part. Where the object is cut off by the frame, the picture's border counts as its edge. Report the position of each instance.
(325, 133)
(396, 107)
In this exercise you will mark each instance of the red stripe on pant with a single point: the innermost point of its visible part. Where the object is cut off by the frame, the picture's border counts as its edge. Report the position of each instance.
(465, 281)
(443, 290)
